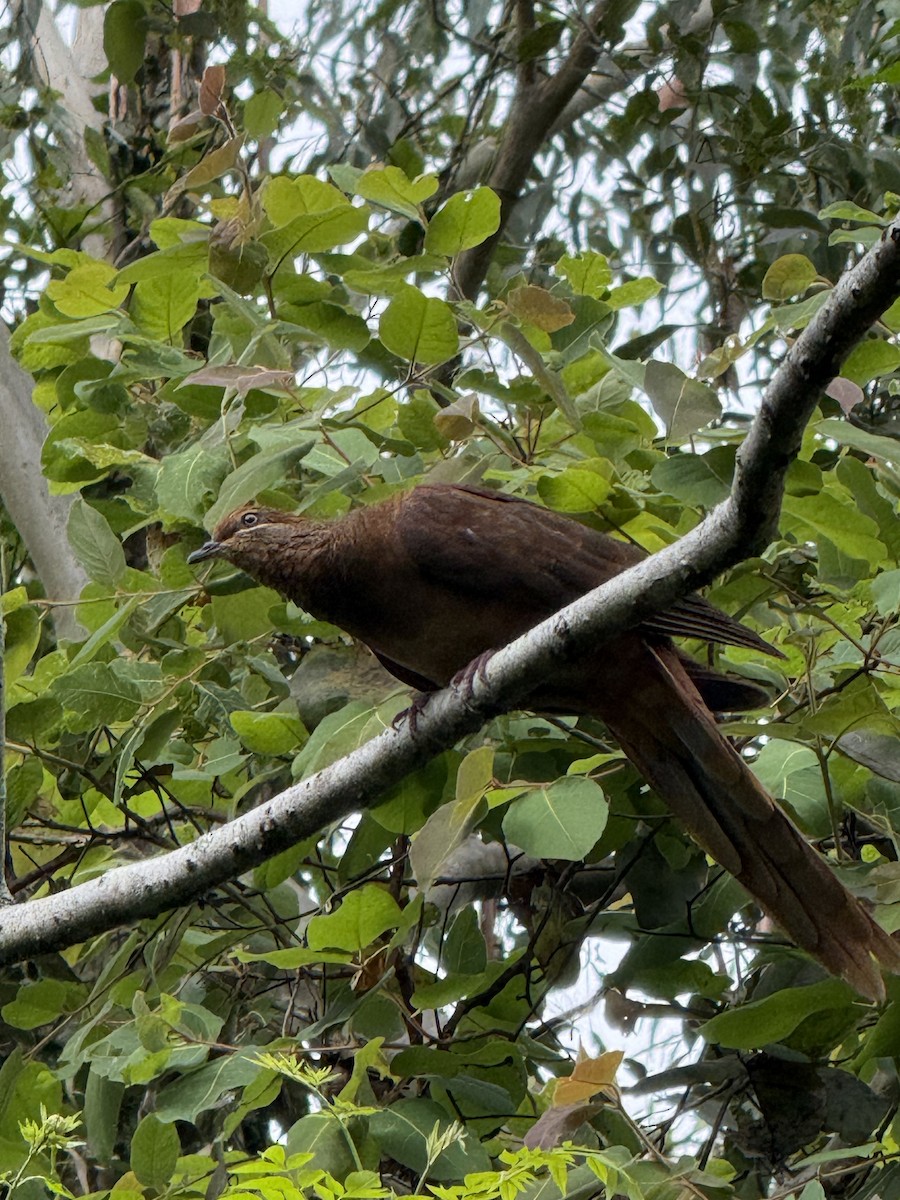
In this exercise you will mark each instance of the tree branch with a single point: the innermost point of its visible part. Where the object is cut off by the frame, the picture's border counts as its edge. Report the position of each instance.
(68, 70)
(40, 518)
(535, 110)
(739, 527)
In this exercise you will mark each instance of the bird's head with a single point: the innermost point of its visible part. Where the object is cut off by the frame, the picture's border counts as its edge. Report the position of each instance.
(247, 535)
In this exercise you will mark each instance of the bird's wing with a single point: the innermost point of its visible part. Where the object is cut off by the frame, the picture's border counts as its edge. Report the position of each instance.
(489, 544)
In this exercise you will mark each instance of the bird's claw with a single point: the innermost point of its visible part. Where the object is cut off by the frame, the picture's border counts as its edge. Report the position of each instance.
(412, 713)
(463, 682)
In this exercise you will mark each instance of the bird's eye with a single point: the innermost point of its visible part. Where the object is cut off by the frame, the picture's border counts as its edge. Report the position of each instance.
(249, 519)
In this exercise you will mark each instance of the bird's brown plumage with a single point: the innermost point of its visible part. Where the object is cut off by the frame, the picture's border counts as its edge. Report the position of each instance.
(431, 578)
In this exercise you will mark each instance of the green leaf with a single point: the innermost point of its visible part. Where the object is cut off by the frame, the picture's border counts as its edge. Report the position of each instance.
(284, 198)
(124, 35)
(615, 437)
(336, 735)
(262, 113)
(416, 420)
(188, 480)
(402, 1133)
(633, 293)
(809, 518)
(268, 733)
(338, 328)
(788, 276)
(23, 785)
(869, 360)
(466, 220)
(539, 39)
(450, 825)
(155, 1147)
(405, 808)
(860, 483)
(684, 404)
(391, 188)
(327, 1141)
(846, 210)
(880, 752)
(559, 820)
(792, 772)
(885, 590)
(40, 1003)
(871, 444)
(419, 328)
(201, 1089)
(23, 632)
(588, 274)
(27, 722)
(102, 1104)
(364, 915)
(777, 1016)
(96, 546)
(294, 957)
(187, 261)
(463, 951)
(258, 473)
(696, 479)
(163, 305)
(244, 615)
(106, 693)
(575, 490)
(312, 232)
(383, 279)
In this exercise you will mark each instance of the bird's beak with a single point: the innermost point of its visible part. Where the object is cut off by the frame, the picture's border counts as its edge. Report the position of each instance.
(207, 550)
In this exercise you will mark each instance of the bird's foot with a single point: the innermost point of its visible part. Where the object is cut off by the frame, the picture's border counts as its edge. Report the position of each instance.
(464, 681)
(412, 714)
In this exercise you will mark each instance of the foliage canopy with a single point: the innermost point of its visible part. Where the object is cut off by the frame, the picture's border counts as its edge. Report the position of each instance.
(345, 267)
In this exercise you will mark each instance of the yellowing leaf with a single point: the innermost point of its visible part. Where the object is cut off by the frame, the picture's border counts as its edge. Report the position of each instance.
(87, 290)
(590, 1076)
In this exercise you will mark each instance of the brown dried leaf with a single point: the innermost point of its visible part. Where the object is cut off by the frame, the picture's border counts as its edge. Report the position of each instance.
(186, 8)
(459, 419)
(847, 393)
(213, 165)
(212, 86)
(241, 379)
(558, 1125)
(538, 307)
(186, 127)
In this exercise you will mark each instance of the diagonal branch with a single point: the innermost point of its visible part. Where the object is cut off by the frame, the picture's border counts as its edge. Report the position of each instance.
(535, 110)
(739, 527)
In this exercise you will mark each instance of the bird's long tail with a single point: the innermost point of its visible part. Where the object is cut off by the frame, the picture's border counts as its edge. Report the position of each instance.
(671, 737)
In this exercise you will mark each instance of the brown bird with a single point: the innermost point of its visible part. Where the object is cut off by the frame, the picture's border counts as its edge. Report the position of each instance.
(432, 578)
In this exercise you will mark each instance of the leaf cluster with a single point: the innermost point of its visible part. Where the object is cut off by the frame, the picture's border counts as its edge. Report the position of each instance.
(379, 999)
